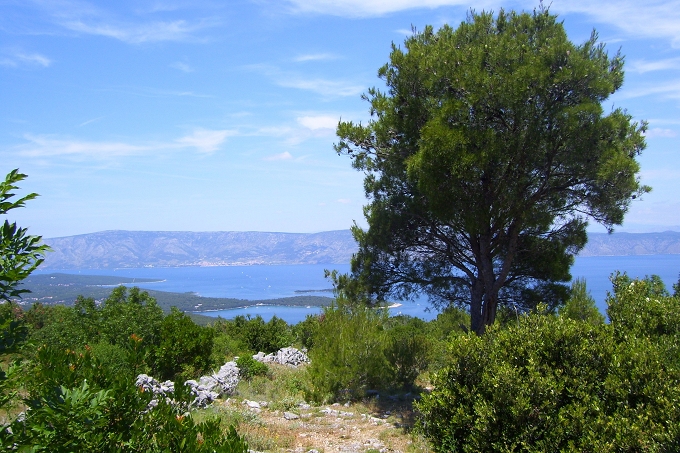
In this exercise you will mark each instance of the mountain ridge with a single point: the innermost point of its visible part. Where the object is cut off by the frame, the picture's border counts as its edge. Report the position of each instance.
(134, 249)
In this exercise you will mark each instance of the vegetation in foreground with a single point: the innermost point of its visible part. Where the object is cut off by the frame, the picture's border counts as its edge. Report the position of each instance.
(554, 377)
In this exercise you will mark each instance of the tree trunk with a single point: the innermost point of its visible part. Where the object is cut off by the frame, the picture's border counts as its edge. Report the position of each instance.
(476, 297)
(489, 309)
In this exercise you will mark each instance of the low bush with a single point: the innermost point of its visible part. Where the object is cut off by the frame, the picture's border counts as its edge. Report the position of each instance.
(76, 403)
(185, 349)
(249, 367)
(552, 383)
(348, 355)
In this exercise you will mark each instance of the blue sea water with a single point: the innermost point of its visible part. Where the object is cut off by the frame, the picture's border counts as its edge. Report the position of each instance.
(270, 282)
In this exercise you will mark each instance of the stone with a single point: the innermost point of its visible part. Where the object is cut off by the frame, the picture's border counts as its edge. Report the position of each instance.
(290, 416)
(291, 357)
(252, 404)
(205, 391)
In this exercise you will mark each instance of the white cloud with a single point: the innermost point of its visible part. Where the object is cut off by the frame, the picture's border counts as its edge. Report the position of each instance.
(643, 66)
(204, 140)
(364, 8)
(93, 120)
(34, 59)
(669, 90)
(201, 140)
(324, 87)
(344, 200)
(660, 174)
(283, 156)
(47, 146)
(182, 66)
(651, 18)
(130, 26)
(16, 58)
(178, 30)
(318, 122)
(405, 31)
(315, 57)
(657, 132)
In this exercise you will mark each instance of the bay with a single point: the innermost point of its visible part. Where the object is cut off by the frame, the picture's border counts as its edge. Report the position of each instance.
(270, 282)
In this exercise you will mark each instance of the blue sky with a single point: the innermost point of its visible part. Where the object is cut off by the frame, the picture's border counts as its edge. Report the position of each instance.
(205, 115)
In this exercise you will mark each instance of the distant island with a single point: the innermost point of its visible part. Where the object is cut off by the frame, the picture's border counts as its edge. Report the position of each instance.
(136, 249)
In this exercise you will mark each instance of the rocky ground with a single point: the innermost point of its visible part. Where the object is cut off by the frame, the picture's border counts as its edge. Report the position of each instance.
(362, 427)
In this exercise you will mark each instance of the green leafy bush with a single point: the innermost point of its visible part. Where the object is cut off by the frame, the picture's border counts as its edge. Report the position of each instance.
(553, 383)
(249, 367)
(581, 305)
(121, 315)
(185, 349)
(262, 336)
(304, 331)
(348, 355)
(406, 350)
(76, 403)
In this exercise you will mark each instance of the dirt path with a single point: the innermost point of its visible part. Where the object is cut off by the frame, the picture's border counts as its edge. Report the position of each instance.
(337, 428)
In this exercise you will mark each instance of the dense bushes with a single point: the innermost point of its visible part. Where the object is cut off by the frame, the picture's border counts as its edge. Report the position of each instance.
(76, 403)
(348, 355)
(249, 367)
(552, 383)
(185, 348)
(538, 382)
(358, 348)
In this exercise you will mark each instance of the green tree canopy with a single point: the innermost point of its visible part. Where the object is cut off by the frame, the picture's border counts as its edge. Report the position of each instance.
(484, 159)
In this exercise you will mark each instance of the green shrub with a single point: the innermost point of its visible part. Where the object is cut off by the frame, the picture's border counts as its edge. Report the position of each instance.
(304, 331)
(348, 355)
(185, 348)
(76, 403)
(553, 383)
(581, 305)
(263, 336)
(249, 367)
(407, 350)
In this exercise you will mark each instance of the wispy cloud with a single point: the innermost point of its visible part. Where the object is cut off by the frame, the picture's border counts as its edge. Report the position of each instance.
(315, 57)
(668, 90)
(204, 140)
(182, 66)
(643, 66)
(178, 30)
(405, 31)
(344, 201)
(651, 18)
(18, 58)
(282, 156)
(47, 146)
(133, 26)
(324, 87)
(318, 122)
(657, 132)
(368, 8)
(93, 120)
(200, 140)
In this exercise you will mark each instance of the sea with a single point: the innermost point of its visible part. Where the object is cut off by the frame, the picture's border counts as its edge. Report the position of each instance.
(266, 282)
